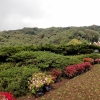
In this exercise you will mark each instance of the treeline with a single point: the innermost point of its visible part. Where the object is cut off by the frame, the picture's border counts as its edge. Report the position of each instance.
(53, 35)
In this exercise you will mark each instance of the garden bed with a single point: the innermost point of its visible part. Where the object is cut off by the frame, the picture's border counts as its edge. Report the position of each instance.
(85, 86)
(55, 86)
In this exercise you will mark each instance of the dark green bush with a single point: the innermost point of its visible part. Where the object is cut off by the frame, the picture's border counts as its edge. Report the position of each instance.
(86, 51)
(93, 55)
(15, 80)
(42, 59)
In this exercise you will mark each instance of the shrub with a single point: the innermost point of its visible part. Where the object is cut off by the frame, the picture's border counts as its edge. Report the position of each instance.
(83, 66)
(38, 80)
(6, 96)
(56, 74)
(77, 69)
(93, 56)
(97, 61)
(70, 71)
(86, 51)
(80, 68)
(89, 60)
(87, 66)
(15, 80)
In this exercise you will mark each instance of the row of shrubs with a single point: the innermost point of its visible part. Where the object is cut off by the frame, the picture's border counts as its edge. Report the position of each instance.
(46, 60)
(41, 83)
(74, 70)
(14, 78)
(42, 59)
(92, 61)
(6, 52)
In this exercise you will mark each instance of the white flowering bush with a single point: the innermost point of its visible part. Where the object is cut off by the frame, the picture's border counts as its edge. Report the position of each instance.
(38, 80)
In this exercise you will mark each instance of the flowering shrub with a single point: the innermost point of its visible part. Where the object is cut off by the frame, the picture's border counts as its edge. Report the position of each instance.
(38, 80)
(89, 60)
(6, 96)
(97, 60)
(56, 73)
(87, 65)
(70, 71)
(77, 69)
(80, 67)
(83, 66)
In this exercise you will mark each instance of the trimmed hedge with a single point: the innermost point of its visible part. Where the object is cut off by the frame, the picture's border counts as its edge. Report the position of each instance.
(42, 59)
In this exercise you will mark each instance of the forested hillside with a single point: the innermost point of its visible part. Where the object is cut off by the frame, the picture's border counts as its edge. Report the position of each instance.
(53, 35)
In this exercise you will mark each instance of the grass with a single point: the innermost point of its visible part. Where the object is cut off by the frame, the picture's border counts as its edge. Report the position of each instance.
(83, 87)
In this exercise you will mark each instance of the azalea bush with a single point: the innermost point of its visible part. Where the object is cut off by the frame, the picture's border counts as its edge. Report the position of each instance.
(89, 60)
(83, 67)
(77, 69)
(6, 96)
(70, 71)
(87, 66)
(56, 73)
(38, 80)
(97, 61)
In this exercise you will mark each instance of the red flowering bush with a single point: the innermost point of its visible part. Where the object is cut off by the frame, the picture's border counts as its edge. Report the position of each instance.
(70, 71)
(97, 61)
(83, 66)
(6, 96)
(80, 68)
(77, 69)
(56, 74)
(89, 60)
(87, 65)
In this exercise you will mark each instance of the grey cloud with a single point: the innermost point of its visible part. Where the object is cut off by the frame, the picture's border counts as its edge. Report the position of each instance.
(17, 10)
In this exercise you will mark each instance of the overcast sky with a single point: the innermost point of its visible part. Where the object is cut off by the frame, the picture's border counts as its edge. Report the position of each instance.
(16, 14)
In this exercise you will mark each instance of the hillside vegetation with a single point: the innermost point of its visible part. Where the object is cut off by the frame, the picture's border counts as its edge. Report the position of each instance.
(53, 35)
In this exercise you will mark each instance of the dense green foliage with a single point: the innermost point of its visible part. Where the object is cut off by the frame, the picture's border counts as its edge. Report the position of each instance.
(15, 79)
(17, 64)
(42, 59)
(53, 35)
(29, 50)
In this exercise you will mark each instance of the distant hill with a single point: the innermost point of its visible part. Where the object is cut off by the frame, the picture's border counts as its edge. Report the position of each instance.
(52, 35)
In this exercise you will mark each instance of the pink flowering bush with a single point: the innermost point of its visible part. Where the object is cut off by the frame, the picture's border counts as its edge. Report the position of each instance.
(97, 61)
(6, 96)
